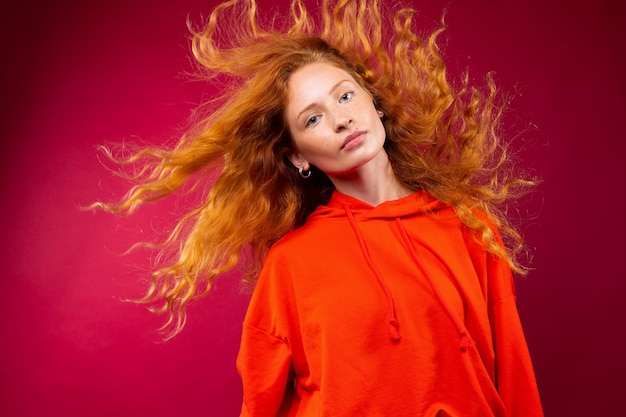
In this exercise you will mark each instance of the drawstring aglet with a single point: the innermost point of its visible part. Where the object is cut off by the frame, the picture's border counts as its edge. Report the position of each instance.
(466, 342)
(393, 329)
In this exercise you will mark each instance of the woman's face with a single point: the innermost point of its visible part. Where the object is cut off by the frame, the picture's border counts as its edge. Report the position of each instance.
(332, 120)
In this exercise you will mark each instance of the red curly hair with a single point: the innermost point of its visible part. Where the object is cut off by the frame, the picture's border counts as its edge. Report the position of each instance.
(439, 139)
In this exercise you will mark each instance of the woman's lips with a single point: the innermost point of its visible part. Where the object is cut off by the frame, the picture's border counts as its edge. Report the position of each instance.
(352, 140)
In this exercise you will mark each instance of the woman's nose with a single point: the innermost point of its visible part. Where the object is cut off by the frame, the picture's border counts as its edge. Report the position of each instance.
(342, 121)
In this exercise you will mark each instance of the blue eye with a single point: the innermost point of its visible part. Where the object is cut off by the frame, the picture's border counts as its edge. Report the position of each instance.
(346, 96)
(312, 120)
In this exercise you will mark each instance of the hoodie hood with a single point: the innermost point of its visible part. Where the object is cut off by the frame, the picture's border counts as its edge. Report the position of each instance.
(416, 204)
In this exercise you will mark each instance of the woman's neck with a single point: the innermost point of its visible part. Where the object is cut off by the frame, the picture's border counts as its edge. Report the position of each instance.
(373, 183)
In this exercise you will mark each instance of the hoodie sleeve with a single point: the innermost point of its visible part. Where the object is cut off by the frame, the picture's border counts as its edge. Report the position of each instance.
(515, 377)
(265, 355)
(264, 364)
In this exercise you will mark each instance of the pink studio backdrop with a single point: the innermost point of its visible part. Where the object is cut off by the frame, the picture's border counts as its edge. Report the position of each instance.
(77, 74)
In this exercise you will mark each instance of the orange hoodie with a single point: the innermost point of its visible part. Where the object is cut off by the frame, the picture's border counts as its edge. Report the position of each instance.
(390, 311)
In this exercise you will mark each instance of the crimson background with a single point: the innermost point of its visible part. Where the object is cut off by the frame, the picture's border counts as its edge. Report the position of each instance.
(77, 74)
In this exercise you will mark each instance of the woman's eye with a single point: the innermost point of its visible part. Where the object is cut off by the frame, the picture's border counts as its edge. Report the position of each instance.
(346, 96)
(312, 120)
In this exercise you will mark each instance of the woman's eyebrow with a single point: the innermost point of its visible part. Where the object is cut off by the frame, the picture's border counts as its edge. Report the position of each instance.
(310, 106)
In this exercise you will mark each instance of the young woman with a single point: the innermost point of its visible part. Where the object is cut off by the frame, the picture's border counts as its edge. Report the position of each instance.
(366, 188)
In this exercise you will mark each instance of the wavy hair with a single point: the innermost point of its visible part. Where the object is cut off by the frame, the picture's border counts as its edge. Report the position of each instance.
(439, 138)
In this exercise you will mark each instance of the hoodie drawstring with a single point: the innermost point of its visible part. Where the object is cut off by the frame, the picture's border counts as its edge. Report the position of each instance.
(466, 341)
(393, 322)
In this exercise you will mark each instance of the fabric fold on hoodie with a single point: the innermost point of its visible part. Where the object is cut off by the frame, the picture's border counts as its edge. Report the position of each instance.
(466, 340)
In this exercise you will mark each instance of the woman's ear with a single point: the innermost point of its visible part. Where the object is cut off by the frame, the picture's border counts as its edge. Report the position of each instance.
(298, 161)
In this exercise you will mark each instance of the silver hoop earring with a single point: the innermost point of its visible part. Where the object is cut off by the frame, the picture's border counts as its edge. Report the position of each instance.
(304, 174)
